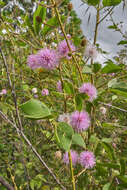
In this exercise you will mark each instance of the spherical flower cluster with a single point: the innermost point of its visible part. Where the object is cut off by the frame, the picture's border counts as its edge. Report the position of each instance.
(74, 156)
(80, 121)
(45, 58)
(59, 86)
(63, 49)
(90, 90)
(87, 159)
(33, 61)
(45, 92)
(64, 118)
(91, 51)
(49, 58)
(3, 92)
(34, 90)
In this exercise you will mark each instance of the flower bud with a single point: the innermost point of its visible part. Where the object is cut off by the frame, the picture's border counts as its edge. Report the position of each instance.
(38, 19)
(58, 155)
(70, 6)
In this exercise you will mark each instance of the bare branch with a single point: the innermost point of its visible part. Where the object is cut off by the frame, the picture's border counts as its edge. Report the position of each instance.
(5, 183)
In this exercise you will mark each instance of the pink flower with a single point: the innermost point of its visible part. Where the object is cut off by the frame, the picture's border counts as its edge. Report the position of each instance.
(74, 156)
(4, 91)
(63, 49)
(33, 61)
(91, 51)
(80, 121)
(35, 96)
(87, 159)
(49, 59)
(90, 90)
(45, 92)
(59, 86)
(64, 118)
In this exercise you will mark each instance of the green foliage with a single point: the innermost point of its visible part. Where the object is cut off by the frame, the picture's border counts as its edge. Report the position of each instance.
(39, 17)
(107, 3)
(34, 109)
(110, 68)
(51, 24)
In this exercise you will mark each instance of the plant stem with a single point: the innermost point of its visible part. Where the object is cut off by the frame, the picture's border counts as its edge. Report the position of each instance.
(92, 78)
(72, 173)
(65, 36)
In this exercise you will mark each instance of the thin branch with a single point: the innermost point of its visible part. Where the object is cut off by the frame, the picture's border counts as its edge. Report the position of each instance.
(110, 105)
(20, 132)
(106, 15)
(12, 88)
(5, 183)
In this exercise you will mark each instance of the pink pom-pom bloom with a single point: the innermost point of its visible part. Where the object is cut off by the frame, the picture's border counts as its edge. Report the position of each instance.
(45, 92)
(59, 86)
(80, 121)
(49, 59)
(90, 90)
(63, 49)
(4, 91)
(74, 156)
(87, 159)
(91, 51)
(33, 61)
(64, 118)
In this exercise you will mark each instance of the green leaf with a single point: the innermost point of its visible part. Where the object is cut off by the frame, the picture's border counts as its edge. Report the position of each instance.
(123, 178)
(51, 24)
(27, 22)
(120, 92)
(110, 165)
(78, 102)
(108, 148)
(34, 109)
(112, 82)
(87, 70)
(112, 27)
(96, 67)
(123, 42)
(64, 134)
(91, 2)
(64, 128)
(122, 166)
(111, 2)
(121, 85)
(41, 14)
(68, 87)
(106, 186)
(77, 139)
(111, 68)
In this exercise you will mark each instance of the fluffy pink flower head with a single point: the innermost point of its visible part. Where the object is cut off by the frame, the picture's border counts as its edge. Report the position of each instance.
(33, 61)
(45, 92)
(59, 86)
(49, 59)
(87, 159)
(65, 117)
(4, 91)
(90, 90)
(91, 51)
(80, 121)
(74, 156)
(63, 49)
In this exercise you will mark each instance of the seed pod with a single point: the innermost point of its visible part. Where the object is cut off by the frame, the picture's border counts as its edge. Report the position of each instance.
(38, 19)
(70, 6)
(83, 42)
